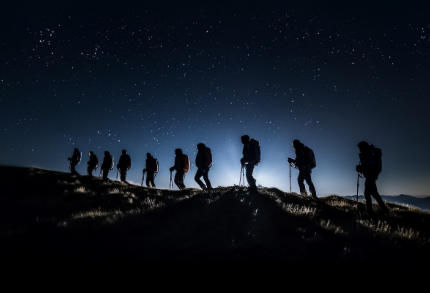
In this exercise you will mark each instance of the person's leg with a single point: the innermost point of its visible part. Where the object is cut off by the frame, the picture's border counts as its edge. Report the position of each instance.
(179, 180)
(148, 181)
(73, 170)
(308, 179)
(249, 170)
(105, 174)
(373, 191)
(206, 179)
(300, 181)
(199, 174)
(182, 180)
(367, 190)
(153, 179)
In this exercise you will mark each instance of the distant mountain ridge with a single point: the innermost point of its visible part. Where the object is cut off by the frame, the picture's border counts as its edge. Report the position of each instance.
(419, 202)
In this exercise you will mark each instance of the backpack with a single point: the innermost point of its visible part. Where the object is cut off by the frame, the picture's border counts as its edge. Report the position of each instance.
(154, 163)
(310, 157)
(78, 158)
(128, 161)
(186, 163)
(376, 158)
(112, 159)
(256, 150)
(96, 161)
(208, 157)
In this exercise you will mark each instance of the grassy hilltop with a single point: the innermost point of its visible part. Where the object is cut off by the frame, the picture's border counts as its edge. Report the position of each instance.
(55, 216)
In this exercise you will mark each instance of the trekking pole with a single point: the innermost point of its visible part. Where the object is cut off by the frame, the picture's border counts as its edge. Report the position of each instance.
(240, 177)
(143, 175)
(100, 173)
(290, 177)
(171, 183)
(116, 173)
(358, 180)
(358, 183)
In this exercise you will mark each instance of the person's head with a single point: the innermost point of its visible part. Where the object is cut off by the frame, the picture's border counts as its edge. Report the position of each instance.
(148, 155)
(201, 146)
(297, 144)
(245, 139)
(124, 152)
(363, 147)
(91, 153)
(76, 150)
(107, 154)
(178, 152)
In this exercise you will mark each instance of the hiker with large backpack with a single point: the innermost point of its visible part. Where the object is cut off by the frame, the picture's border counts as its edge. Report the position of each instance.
(93, 164)
(250, 158)
(304, 162)
(151, 170)
(124, 164)
(107, 165)
(203, 164)
(182, 166)
(369, 167)
(74, 161)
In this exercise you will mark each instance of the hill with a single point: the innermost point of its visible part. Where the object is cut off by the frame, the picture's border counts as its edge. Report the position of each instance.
(402, 199)
(55, 216)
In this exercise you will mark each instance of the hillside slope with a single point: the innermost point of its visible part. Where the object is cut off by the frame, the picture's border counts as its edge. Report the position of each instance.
(49, 215)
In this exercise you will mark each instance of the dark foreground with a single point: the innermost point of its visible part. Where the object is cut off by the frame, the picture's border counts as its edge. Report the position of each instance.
(54, 216)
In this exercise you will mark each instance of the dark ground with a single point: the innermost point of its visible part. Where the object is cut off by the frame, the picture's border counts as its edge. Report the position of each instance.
(55, 216)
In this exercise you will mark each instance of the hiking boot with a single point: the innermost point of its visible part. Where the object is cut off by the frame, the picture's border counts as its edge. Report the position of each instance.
(253, 187)
(314, 196)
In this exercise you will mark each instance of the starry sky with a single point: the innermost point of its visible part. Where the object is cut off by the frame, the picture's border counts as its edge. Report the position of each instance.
(152, 76)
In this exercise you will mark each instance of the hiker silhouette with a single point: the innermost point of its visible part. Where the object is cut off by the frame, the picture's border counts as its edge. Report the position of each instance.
(203, 164)
(124, 164)
(248, 160)
(92, 163)
(151, 170)
(179, 166)
(368, 171)
(301, 162)
(74, 161)
(106, 165)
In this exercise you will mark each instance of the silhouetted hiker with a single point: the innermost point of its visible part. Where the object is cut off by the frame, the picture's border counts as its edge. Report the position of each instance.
(182, 166)
(151, 170)
(369, 169)
(250, 158)
(74, 161)
(303, 163)
(93, 164)
(107, 165)
(203, 164)
(124, 164)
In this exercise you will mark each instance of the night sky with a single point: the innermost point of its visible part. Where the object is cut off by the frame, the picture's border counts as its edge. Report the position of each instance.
(152, 76)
